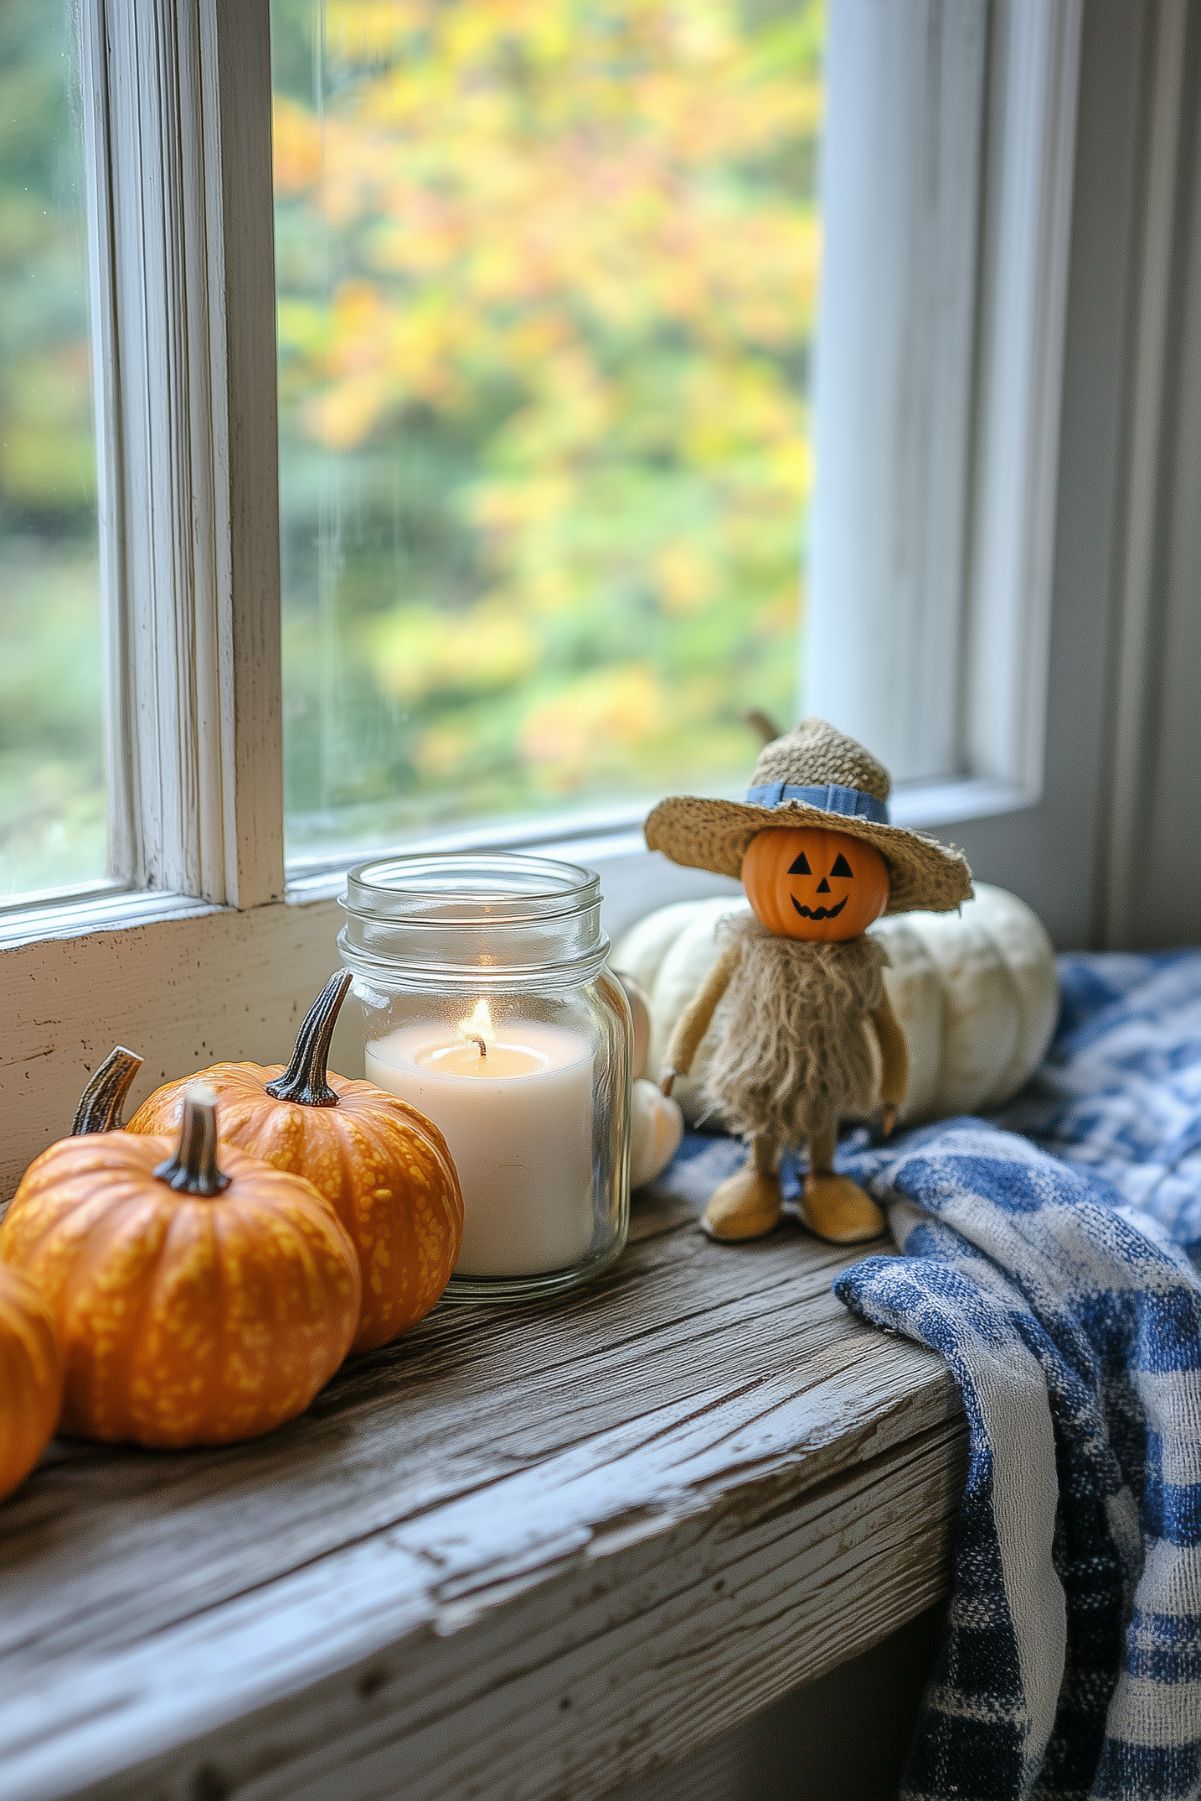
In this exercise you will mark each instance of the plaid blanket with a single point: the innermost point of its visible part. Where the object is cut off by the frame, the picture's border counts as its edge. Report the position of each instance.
(1071, 1663)
(1120, 1092)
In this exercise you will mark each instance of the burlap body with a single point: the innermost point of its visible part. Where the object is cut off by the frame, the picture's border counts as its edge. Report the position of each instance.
(796, 1052)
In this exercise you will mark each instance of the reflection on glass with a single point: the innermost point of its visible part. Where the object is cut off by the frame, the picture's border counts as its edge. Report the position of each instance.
(52, 810)
(546, 284)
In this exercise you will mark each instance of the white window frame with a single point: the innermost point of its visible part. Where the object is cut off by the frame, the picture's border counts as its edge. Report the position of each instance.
(948, 187)
(902, 197)
(180, 160)
(198, 947)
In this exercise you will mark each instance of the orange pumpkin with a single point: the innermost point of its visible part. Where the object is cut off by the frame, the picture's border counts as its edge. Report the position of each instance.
(31, 1378)
(197, 1301)
(383, 1165)
(814, 882)
(101, 1102)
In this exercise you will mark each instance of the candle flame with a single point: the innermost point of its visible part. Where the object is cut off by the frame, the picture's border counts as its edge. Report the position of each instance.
(478, 1028)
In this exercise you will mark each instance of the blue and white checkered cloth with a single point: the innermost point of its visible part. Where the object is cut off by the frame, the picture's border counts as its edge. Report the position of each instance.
(1050, 1283)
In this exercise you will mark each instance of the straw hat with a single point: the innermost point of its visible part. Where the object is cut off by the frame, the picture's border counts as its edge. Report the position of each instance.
(813, 776)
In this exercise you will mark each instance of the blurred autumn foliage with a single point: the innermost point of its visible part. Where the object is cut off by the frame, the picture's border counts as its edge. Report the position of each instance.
(52, 812)
(546, 275)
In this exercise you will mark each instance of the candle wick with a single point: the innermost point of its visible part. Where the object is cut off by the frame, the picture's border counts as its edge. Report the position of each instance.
(476, 1039)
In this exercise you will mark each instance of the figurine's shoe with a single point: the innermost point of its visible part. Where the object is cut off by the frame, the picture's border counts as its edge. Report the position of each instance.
(839, 1211)
(747, 1205)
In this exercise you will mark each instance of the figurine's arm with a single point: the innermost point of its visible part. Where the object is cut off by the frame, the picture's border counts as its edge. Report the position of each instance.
(694, 1021)
(894, 1059)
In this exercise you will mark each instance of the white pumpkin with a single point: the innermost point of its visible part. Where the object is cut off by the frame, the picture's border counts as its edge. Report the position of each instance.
(640, 1016)
(976, 992)
(656, 1128)
(656, 1122)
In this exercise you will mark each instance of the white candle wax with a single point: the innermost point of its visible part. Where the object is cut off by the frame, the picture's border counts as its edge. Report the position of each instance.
(515, 1106)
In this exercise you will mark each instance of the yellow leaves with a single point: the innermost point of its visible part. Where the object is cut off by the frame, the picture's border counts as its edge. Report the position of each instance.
(296, 146)
(550, 112)
(571, 732)
(684, 580)
(422, 651)
(363, 30)
(506, 507)
(788, 466)
(548, 274)
(463, 35)
(473, 34)
(630, 166)
(443, 751)
(379, 358)
(535, 336)
(360, 318)
(572, 406)
(733, 405)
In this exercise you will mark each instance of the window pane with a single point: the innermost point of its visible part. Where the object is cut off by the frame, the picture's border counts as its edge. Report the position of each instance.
(52, 810)
(546, 276)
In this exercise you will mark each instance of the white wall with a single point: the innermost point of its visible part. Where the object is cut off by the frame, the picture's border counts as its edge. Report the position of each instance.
(1152, 878)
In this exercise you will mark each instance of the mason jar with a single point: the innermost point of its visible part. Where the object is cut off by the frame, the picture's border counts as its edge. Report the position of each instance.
(487, 1004)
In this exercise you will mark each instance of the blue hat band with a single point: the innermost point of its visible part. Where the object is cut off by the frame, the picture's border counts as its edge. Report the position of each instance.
(851, 803)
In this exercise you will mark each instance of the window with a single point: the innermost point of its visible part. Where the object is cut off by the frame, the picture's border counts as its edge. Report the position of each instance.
(547, 278)
(53, 828)
(472, 541)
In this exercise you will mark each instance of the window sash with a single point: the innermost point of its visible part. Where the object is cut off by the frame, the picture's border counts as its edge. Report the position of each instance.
(901, 210)
(180, 167)
(183, 980)
(1028, 188)
(179, 141)
(938, 412)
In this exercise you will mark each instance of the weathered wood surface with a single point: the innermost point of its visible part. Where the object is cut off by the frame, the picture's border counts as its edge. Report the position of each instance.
(523, 1553)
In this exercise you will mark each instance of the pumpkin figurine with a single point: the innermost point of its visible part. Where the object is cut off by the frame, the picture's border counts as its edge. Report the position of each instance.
(976, 993)
(100, 1104)
(31, 1378)
(808, 1037)
(656, 1122)
(199, 1295)
(382, 1165)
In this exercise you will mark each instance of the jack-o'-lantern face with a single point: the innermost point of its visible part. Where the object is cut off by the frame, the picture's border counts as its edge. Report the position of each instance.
(814, 882)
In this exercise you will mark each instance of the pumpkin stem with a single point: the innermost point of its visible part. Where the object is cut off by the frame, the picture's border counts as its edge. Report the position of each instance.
(305, 1079)
(761, 722)
(193, 1168)
(100, 1103)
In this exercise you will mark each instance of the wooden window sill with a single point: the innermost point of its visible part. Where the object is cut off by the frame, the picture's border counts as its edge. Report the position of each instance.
(527, 1552)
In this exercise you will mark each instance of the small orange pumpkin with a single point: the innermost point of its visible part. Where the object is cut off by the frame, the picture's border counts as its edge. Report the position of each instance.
(100, 1104)
(814, 882)
(381, 1163)
(196, 1302)
(31, 1378)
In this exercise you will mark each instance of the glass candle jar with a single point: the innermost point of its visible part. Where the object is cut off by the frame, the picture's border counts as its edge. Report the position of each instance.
(487, 1004)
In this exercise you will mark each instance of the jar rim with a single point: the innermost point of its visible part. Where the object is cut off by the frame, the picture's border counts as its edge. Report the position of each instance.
(495, 918)
(468, 889)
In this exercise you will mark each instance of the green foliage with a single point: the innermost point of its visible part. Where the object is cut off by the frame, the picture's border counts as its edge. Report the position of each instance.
(52, 816)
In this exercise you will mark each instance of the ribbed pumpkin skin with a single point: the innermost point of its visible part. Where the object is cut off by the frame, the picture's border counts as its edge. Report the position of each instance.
(185, 1319)
(31, 1378)
(384, 1167)
(772, 888)
(976, 994)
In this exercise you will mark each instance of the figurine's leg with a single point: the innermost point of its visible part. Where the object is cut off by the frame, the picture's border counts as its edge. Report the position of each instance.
(747, 1205)
(834, 1207)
